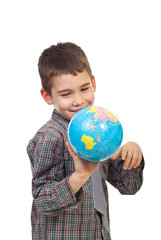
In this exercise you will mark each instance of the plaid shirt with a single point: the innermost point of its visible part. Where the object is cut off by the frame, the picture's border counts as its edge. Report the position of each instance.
(56, 212)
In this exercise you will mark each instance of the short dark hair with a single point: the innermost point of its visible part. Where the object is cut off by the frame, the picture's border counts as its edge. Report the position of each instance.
(63, 58)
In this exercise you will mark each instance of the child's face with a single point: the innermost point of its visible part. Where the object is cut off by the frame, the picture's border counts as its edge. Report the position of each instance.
(71, 93)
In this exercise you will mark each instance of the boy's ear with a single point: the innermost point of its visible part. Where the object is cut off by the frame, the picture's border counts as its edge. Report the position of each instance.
(46, 96)
(93, 83)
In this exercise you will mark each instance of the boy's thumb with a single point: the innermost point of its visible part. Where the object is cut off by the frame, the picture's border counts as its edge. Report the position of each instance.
(116, 155)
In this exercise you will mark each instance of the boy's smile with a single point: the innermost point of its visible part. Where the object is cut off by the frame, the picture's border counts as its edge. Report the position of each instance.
(70, 93)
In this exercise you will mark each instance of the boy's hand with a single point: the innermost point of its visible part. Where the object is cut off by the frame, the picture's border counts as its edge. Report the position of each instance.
(83, 167)
(130, 153)
(83, 170)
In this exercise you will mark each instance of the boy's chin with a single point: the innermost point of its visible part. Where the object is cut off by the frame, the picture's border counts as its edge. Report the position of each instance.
(72, 114)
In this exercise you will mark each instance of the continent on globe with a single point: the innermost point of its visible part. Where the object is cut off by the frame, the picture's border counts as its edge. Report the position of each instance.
(103, 114)
(98, 138)
(88, 142)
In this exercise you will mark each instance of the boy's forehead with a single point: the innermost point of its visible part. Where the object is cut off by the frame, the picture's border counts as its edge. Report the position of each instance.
(69, 80)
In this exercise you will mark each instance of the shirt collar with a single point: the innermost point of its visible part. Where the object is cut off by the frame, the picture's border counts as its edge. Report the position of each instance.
(59, 118)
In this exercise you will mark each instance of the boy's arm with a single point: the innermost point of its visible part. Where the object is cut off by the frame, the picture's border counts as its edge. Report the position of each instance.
(125, 169)
(83, 170)
(52, 191)
(126, 181)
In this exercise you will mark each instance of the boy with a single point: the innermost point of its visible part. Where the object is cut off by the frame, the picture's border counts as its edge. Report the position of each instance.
(63, 205)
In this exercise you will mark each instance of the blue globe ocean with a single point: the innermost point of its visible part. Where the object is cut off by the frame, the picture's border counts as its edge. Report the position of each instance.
(95, 133)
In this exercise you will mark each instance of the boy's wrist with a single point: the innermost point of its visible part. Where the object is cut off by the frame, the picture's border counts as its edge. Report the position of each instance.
(82, 176)
(77, 180)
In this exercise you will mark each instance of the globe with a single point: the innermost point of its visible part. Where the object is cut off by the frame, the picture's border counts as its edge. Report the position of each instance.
(95, 133)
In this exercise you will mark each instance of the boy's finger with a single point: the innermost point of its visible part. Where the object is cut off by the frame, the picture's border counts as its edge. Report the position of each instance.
(116, 155)
(128, 160)
(138, 161)
(134, 160)
(73, 154)
(124, 153)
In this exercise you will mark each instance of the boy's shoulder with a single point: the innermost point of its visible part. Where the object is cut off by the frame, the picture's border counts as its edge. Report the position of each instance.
(50, 130)
(52, 133)
(49, 135)
(56, 126)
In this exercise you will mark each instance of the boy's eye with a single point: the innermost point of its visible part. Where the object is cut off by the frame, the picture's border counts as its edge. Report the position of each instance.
(84, 89)
(65, 94)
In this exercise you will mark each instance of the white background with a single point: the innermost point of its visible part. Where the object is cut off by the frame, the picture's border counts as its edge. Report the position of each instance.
(122, 40)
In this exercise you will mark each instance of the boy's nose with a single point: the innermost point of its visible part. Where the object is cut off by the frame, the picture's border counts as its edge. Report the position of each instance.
(78, 99)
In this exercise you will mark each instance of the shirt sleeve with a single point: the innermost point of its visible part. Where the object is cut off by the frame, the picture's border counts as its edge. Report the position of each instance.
(50, 187)
(126, 181)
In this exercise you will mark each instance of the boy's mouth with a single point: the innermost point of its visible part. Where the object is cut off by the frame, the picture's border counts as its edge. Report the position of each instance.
(76, 110)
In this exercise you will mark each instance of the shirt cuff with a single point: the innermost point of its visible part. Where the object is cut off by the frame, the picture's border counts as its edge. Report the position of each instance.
(136, 171)
(66, 195)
